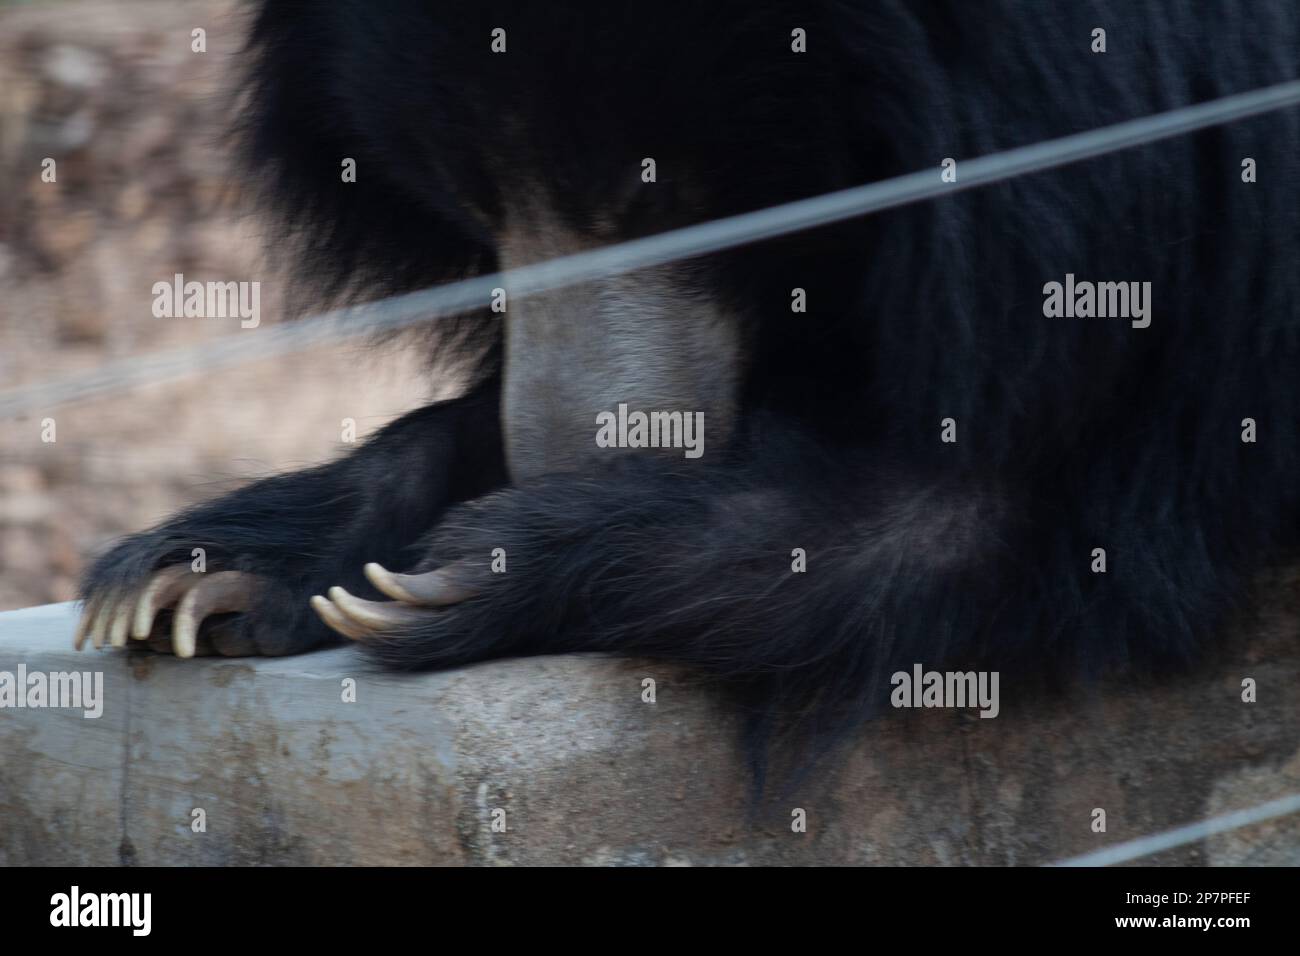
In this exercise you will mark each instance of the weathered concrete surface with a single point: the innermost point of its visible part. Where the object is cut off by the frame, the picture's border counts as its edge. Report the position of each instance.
(586, 772)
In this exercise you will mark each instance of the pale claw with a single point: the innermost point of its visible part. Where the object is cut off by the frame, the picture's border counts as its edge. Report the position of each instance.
(374, 615)
(115, 616)
(102, 617)
(336, 620)
(357, 619)
(118, 627)
(88, 614)
(218, 593)
(431, 589)
(163, 590)
(413, 596)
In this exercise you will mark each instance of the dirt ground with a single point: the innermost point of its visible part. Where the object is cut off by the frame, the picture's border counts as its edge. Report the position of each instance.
(139, 127)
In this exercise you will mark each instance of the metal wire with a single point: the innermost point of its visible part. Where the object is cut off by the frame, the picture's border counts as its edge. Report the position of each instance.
(457, 297)
(1180, 836)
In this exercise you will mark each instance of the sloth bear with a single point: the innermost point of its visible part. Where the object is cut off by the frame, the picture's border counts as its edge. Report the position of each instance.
(1049, 427)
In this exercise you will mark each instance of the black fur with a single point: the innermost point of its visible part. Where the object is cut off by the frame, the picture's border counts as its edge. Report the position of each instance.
(1073, 433)
(309, 529)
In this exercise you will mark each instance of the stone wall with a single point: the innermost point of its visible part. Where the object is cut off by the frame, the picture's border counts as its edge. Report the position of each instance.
(586, 772)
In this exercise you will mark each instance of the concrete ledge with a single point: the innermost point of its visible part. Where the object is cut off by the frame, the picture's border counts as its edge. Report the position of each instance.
(286, 772)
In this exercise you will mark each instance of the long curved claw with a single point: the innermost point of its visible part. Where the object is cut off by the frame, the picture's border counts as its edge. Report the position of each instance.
(336, 620)
(375, 615)
(430, 589)
(163, 590)
(88, 614)
(100, 625)
(118, 626)
(358, 619)
(415, 596)
(218, 593)
(117, 616)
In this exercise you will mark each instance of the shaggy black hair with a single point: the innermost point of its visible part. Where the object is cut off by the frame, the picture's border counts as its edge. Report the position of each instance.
(1072, 433)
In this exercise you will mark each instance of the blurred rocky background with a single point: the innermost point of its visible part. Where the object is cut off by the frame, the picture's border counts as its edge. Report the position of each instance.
(139, 127)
